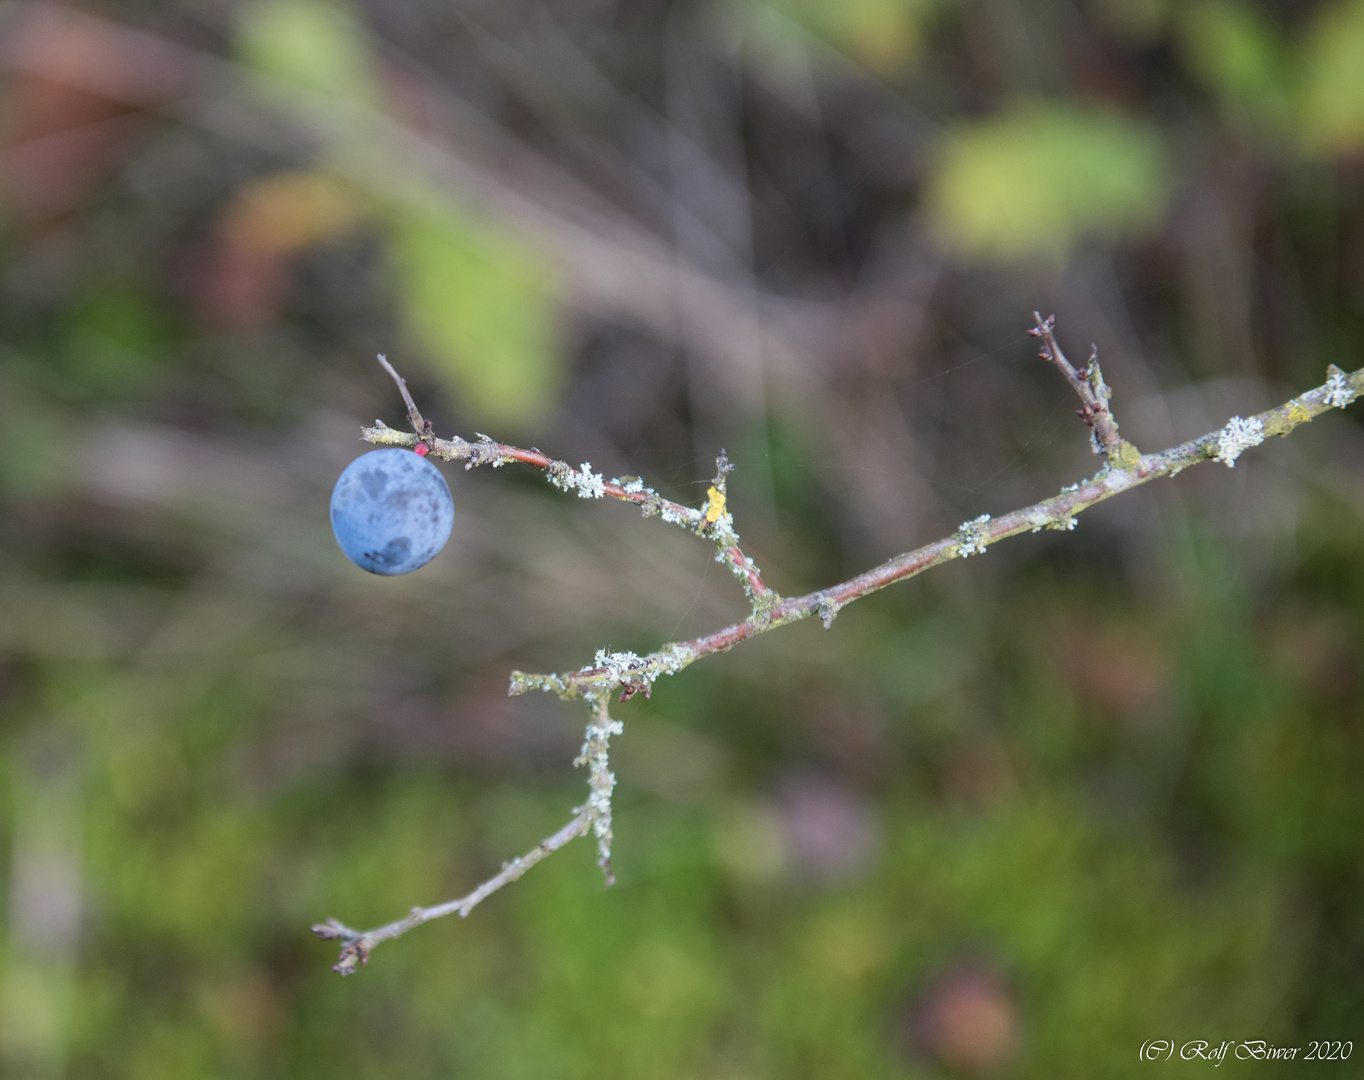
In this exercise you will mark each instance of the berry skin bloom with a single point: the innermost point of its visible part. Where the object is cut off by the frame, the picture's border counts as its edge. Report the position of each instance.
(391, 511)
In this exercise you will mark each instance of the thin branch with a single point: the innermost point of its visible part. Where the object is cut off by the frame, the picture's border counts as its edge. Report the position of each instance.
(1124, 468)
(971, 538)
(356, 945)
(421, 426)
(1089, 385)
(593, 816)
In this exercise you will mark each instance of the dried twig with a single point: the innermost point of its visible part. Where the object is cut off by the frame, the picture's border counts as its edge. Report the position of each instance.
(1089, 385)
(593, 816)
(1124, 468)
(356, 945)
(419, 424)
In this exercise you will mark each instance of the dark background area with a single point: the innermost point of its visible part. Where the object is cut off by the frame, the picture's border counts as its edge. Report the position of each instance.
(1013, 818)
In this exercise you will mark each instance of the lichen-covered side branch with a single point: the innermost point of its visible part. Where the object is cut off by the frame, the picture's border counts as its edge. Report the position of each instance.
(594, 816)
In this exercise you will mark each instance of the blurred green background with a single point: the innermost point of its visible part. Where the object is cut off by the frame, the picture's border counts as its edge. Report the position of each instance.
(1014, 818)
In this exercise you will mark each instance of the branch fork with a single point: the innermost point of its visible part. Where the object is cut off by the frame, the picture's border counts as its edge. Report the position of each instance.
(1093, 392)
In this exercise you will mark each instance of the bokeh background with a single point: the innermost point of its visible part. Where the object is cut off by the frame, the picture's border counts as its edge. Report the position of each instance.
(1013, 818)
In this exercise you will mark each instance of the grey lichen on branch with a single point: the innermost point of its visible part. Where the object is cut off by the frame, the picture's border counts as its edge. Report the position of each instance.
(971, 538)
(1124, 468)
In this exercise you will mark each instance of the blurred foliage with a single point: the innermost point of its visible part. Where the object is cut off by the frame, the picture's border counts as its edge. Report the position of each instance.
(477, 299)
(1035, 181)
(1307, 87)
(1012, 819)
(313, 44)
(1236, 50)
(285, 213)
(1332, 111)
(883, 34)
(474, 296)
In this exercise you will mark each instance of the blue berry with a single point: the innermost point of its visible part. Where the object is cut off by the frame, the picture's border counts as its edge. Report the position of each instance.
(391, 511)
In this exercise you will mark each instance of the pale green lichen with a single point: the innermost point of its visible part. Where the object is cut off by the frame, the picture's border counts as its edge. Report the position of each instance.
(383, 435)
(1236, 437)
(589, 485)
(616, 665)
(524, 681)
(972, 539)
(671, 659)
(601, 781)
(607, 671)
(1126, 457)
(678, 515)
(1339, 392)
(1295, 412)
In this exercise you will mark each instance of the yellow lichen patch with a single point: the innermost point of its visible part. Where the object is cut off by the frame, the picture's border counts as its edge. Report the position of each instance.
(1126, 457)
(1294, 413)
(716, 505)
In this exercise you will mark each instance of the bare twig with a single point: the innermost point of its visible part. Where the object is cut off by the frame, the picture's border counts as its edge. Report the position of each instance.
(1124, 468)
(593, 816)
(1089, 385)
(420, 425)
(356, 945)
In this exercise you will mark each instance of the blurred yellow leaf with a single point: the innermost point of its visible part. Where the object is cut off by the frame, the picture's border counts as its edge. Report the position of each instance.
(478, 300)
(1331, 116)
(290, 211)
(316, 44)
(1035, 180)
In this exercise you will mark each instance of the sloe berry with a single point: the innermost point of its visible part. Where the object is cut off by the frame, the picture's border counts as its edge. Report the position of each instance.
(391, 511)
